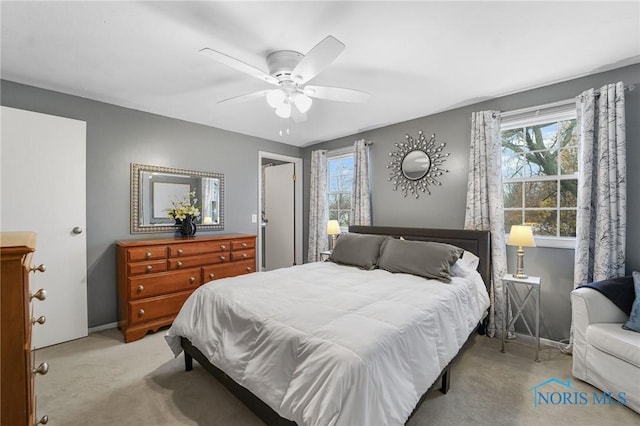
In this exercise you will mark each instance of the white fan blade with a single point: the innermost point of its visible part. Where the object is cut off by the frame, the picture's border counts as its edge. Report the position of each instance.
(245, 98)
(317, 59)
(336, 94)
(239, 65)
(297, 115)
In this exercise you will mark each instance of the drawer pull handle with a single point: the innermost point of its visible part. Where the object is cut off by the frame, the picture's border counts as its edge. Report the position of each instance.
(141, 312)
(212, 276)
(244, 255)
(192, 280)
(180, 252)
(43, 420)
(41, 369)
(223, 258)
(223, 247)
(149, 268)
(41, 320)
(249, 268)
(244, 245)
(179, 264)
(140, 288)
(147, 254)
(40, 294)
(39, 268)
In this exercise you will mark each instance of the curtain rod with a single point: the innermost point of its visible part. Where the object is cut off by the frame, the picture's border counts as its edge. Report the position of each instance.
(564, 102)
(629, 88)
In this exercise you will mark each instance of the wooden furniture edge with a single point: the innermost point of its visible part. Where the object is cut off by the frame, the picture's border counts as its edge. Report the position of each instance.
(18, 242)
(173, 240)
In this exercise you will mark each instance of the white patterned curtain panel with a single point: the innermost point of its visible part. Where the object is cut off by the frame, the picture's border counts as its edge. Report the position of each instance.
(360, 195)
(318, 207)
(602, 193)
(485, 202)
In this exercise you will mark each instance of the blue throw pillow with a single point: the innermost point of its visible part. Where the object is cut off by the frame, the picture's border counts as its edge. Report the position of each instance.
(634, 318)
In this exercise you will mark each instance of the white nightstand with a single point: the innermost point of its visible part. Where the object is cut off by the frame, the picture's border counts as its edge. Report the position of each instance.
(325, 255)
(510, 294)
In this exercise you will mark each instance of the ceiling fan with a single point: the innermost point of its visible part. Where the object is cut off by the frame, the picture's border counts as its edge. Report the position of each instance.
(290, 71)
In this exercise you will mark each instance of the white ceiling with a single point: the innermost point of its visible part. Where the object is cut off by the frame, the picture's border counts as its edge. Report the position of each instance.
(415, 58)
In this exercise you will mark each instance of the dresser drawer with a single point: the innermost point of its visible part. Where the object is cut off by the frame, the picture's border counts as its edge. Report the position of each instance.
(243, 244)
(243, 255)
(151, 272)
(147, 267)
(156, 284)
(191, 249)
(192, 261)
(146, 253)
(156, 307)
(215, 272)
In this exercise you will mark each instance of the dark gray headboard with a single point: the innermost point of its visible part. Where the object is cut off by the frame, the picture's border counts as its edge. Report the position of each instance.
(477, 242)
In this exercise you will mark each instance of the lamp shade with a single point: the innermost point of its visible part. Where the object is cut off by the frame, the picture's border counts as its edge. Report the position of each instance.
(333, 227)
(522, 236)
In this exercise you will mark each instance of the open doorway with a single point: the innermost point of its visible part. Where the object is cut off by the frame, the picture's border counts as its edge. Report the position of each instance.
(280, 211)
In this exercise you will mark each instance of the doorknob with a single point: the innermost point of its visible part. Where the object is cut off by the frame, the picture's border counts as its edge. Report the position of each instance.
(77, 230)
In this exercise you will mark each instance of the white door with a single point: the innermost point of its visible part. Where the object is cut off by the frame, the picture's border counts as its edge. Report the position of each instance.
(43, 185)
(279, 211)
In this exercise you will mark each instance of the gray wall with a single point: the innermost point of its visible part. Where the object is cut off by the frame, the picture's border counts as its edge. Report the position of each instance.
(445, 207)
(119, 136)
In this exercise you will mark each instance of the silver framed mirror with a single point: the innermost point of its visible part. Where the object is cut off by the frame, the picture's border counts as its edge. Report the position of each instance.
(154, 189)
(417, 164)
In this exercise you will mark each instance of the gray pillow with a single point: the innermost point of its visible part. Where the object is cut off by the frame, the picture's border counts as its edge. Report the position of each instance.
(422, 258)
(361, 250)
(634, 317)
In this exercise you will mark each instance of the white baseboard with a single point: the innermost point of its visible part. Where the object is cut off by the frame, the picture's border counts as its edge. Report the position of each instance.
(543, 341)
(103, 327)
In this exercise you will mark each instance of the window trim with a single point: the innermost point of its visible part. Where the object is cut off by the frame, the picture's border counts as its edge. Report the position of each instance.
(555, 112)
(339, 152)
(551, 242)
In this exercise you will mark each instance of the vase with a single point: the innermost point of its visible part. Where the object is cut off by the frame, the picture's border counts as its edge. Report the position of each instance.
(188, 227)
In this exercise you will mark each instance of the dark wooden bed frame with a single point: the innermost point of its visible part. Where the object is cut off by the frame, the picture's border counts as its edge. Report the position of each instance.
(477, 242)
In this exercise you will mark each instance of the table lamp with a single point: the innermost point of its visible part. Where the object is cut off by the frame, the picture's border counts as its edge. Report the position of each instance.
(521, 236)
(333, 229)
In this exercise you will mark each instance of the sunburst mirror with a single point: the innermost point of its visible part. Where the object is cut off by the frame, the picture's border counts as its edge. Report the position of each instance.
(417, 164)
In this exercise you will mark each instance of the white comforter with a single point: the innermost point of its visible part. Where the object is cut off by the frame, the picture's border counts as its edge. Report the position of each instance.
(324, 344)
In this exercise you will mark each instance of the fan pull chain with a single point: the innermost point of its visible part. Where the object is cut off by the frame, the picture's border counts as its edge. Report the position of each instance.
(285, 126)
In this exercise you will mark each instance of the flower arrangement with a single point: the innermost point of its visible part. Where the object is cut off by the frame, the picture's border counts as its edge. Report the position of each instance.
(186, 207)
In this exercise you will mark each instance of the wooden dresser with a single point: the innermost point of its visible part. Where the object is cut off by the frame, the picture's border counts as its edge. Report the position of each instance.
(17, 397)
(155, 276)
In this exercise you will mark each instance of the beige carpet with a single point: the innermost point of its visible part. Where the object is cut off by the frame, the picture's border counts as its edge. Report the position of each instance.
(99, 380)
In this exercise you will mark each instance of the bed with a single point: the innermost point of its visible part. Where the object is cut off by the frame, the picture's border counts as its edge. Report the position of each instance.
(331, 343)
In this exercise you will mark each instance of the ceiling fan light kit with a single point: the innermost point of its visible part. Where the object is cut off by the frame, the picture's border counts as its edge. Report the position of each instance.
(275, 98)
(284, 110)
(303, 102)
(290, 71)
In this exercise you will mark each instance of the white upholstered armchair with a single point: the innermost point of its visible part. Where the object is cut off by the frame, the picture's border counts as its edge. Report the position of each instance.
(604, 354)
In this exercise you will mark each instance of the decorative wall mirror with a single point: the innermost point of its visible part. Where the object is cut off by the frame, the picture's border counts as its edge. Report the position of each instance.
(417, 164)
(154, 188)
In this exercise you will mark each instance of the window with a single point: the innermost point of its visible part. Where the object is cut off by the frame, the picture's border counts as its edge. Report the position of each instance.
(340, 175)
(540, 172)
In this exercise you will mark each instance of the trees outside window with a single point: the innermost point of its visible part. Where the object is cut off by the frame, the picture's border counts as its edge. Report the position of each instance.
(540, 176)
(340, 175)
